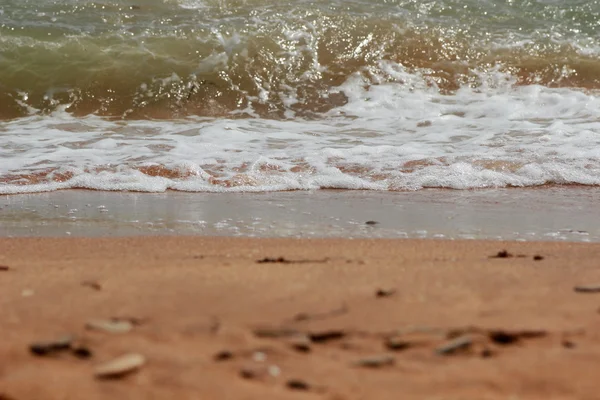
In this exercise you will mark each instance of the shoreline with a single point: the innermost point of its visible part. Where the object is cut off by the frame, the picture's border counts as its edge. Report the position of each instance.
(207, 314)
(529, 214)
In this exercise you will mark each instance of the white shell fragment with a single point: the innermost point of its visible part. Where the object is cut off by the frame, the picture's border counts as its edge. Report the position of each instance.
(120, 366)
(110, 325)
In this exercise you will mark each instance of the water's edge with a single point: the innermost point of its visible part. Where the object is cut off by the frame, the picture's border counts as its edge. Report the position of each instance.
(556, 213)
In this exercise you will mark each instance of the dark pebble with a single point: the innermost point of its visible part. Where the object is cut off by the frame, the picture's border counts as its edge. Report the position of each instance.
(376, 361)
(252, 372)
(371, 223)
(502, 254)
(92, 284)
(4, 268)
(273, 260)
(274, 333)
(384, 292)
(223, 355)
(82, 352)
(325, 336)
(503, 338)
(397, 344)
(301, 343)
(47, 348)
(587, 288)
(297, 384)
(537, 257)
(486, 353)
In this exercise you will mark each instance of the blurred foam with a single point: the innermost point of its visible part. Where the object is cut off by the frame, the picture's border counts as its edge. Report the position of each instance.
(402, 134)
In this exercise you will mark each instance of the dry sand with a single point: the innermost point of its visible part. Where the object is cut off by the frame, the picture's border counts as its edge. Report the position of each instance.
(312, 318)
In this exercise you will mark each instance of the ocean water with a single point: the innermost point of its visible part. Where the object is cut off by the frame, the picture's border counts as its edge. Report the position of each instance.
(260, 95)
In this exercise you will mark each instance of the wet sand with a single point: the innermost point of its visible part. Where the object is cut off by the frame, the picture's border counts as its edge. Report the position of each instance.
(300, 318)
(549, 213)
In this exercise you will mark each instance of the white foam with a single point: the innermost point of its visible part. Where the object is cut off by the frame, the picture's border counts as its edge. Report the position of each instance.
(398, 134)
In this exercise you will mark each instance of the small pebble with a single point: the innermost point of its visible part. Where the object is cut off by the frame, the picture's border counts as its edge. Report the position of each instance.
(81, 352)
(252, 372)
(51, 347)
(385, 292)
(375, 361)
(120, 366)
(110, 325)
(325, 336)
(223, 355)
(587, 288)
(259, 356)
(397, 344)
(460, 343)
(502, 254)
(300, 343)
(92, 284)
(297, 384)
(274, 370)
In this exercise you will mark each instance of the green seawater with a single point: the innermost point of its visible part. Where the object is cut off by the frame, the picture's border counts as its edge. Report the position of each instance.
(166, 58)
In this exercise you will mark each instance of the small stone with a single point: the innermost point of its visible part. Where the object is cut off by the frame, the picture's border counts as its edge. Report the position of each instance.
(223, 355)
(81, 352)
(300, 343)
(120, 366)
(4, 268)
(486, 353)
(281, 260)
(259, 356)
(460, 343)
(253, 372)
(325, 336)
(110, 325)
(587, 288)
(502, 254)
(274, 371)
(397, 344)
(385, 292)
(502, 337)
(371, 223)
(297, 384)
(51, 347)
(375, 361)
(537, 257)
(92, 284)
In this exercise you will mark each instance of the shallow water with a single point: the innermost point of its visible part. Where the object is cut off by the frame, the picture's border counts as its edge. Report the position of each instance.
(551, 214)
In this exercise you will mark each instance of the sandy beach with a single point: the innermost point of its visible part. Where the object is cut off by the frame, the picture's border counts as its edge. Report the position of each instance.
(247, 318)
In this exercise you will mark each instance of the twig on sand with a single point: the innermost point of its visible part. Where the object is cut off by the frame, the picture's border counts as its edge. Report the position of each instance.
(283, 260)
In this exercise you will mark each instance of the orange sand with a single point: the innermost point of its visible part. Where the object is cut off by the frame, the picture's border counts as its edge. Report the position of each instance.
(191, 298)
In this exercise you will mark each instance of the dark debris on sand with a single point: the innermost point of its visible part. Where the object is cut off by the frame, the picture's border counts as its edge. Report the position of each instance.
(502, 254)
